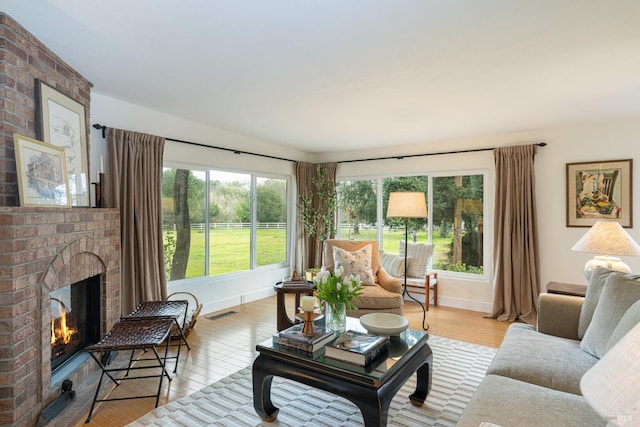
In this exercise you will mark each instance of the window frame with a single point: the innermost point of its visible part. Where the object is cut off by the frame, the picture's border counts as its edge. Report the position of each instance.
(254, 176)
(485, 172)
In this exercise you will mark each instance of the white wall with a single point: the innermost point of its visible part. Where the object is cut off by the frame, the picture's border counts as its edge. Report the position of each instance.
(611, 141)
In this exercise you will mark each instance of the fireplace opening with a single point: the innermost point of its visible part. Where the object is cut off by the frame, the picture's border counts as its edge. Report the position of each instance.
(75, 320)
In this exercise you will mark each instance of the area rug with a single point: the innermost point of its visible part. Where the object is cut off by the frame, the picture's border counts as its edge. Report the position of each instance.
(458, 368)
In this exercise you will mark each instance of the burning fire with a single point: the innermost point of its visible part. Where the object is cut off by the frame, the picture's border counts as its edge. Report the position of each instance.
(60, 332)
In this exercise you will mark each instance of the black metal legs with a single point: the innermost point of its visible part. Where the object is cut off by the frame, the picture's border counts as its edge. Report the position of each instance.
(425, 325)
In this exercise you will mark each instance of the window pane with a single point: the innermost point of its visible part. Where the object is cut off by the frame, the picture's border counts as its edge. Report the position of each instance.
(458, 223)
(394, 229)
(358, 210)
(229, 227)
(183, 210)
(271, 228)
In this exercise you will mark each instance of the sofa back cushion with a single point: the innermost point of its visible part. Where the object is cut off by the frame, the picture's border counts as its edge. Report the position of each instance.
(599, 277)
(619, 293)
(420, 254)
(630, 319)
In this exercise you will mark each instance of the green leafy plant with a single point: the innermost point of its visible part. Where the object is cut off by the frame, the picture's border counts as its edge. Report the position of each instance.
(317, 210)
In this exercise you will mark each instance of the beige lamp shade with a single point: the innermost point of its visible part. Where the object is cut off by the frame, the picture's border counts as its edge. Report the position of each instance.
(611, 385)
(407, 204)
(607, 238)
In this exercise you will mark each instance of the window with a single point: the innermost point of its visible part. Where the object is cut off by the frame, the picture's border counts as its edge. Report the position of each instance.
(357, 202)
(458, 205)
(455, 226)
(211, 227)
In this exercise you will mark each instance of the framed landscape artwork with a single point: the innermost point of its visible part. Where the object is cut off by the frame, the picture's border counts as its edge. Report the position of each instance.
(63, 124)
(599, 190)
(42, 173)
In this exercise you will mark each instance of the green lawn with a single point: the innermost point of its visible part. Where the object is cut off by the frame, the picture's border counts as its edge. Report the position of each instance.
(230, 249)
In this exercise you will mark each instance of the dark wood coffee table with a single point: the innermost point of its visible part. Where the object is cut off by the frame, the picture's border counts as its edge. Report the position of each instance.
(371, 390)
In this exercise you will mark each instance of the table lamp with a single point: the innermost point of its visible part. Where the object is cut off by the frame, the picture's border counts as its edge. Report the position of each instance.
(606, 238)
(407, 205)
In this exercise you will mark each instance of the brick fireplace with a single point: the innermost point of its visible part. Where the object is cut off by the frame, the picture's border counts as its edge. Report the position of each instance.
(42, 250)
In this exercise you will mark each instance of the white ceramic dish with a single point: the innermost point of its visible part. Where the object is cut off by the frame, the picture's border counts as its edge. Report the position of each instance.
(384, 323)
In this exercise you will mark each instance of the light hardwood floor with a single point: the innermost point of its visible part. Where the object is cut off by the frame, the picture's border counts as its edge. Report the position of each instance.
(227, 344)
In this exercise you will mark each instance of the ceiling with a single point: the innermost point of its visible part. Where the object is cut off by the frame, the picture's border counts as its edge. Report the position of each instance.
(327, 75)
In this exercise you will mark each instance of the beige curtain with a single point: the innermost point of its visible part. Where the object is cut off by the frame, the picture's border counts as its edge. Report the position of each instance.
(516, 258)
(309, 248)
(133, 185)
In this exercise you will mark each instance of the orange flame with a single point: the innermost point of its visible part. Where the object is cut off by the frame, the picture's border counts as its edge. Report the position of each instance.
(61, 332)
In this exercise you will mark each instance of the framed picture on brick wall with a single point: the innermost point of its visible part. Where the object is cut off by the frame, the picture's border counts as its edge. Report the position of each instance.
(63, 124)
(42, 173)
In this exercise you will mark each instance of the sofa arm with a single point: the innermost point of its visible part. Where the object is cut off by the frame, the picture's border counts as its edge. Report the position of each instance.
(387, 281)
(559, 315)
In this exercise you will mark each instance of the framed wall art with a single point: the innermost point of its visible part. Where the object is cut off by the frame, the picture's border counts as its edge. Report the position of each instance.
(599, 190)
(42, 173)
(63, 124)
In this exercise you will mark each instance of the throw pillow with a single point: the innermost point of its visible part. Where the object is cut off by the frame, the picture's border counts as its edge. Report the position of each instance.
(620, 292)
(420, 254)
(599, 277)
(356, 263)
(630, 319)
(393, 264)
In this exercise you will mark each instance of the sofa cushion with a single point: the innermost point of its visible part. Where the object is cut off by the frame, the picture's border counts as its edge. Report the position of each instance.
(599, 277)
(357, 263)
(620, 292)
(509, 402)
(420, 254)
(545, 360)
(630, 319)
(393, 264)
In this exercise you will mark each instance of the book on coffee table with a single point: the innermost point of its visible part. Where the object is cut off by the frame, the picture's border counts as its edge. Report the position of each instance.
(357, 347)
(293, 337)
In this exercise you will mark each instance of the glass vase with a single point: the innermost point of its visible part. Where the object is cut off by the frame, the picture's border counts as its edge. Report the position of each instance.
(336, 317)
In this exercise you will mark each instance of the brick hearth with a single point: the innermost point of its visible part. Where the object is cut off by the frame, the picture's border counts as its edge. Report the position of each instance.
(41, 250)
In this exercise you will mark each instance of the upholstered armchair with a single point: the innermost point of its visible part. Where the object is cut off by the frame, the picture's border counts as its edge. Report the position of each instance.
(382, 292)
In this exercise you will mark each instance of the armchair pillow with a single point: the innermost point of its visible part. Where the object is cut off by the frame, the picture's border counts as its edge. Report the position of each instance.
(420, 257)
(357, 263)
(394, 264)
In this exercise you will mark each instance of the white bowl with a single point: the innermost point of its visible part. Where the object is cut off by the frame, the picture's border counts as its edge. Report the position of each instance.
(384, 323)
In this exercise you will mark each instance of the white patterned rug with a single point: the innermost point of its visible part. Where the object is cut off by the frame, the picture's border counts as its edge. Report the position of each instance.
(458, 368)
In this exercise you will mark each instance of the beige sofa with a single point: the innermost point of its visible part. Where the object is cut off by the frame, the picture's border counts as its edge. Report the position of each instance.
(384, 295)
(535, 377)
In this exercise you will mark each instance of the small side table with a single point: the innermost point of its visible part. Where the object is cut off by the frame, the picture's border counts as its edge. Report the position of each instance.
(283, 319)
(567, 289)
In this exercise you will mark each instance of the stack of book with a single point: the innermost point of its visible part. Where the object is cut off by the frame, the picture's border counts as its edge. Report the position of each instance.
(357, 347)
(294, 282)
(294, 338)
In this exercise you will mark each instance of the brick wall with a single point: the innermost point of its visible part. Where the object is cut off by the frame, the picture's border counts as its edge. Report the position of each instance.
(42, 250)
(22, 60)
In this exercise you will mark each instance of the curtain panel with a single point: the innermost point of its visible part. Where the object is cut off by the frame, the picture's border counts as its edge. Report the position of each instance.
(134, 185)
(309, 248)
(516, 252)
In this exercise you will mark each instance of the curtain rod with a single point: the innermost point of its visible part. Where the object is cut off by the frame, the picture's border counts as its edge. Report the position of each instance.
(438, 153)
(197, 144)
